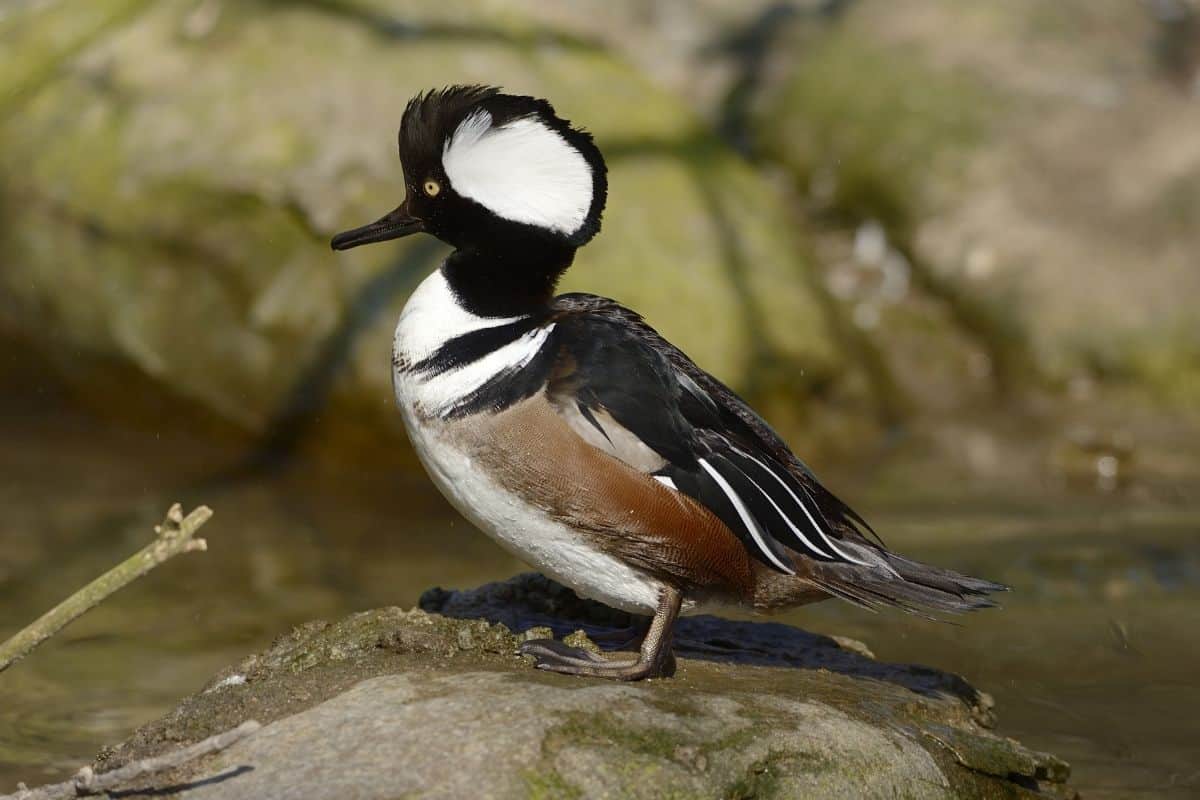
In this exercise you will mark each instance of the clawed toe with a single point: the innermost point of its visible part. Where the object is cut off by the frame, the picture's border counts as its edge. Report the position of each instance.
(554, 656)
(552, 651)
(653, 660)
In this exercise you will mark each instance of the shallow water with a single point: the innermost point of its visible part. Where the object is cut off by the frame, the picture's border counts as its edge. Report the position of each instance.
(1095, 656)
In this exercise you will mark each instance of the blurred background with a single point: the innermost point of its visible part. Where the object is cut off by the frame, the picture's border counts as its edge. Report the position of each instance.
(949, 248)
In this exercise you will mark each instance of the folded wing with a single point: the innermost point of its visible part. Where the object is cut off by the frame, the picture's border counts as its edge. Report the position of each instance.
(629, 392)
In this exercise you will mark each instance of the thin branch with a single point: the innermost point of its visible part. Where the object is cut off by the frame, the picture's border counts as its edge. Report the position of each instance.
(86, 782)
(174, 536)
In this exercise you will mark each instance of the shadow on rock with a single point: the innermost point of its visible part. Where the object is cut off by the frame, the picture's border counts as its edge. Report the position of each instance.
(532, 600)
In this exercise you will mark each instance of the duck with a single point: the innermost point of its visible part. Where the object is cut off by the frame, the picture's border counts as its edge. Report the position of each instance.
(570, 431)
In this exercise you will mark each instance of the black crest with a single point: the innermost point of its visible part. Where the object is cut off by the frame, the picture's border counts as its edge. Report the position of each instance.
(432, 117)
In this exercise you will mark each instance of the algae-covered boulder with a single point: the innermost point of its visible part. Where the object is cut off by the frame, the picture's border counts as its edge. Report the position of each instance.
(395, 703)
(170, 174)
(1033, 169)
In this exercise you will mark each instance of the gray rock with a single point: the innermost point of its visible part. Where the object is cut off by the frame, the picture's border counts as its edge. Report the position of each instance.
(492, 734)
(394, 703)
(969, 150)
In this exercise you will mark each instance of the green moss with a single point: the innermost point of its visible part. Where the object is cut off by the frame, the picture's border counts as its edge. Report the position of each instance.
(605, 729)
(709, 731)
(995, 756)
(548, 785)
(762, 779)
(741, 737)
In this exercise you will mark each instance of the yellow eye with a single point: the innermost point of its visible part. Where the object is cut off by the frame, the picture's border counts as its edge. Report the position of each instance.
(432, 187)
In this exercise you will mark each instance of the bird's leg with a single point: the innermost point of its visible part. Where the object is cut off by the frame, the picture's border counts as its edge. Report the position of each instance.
(654, 659)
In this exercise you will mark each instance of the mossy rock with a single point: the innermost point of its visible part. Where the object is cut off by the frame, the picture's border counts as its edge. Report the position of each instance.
(170, 174)
(393, 703)
(1038, 168)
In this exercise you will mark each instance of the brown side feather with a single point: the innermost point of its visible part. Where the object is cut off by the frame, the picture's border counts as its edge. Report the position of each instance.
(533, 451)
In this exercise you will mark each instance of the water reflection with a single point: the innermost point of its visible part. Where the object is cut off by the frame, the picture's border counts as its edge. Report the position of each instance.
(1094, 657)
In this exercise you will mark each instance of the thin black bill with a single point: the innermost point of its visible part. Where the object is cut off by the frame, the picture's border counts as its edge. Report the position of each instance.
(391, 226)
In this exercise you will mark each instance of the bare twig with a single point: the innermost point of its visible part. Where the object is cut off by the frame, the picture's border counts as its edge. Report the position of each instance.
(175, 536)
(86, 782)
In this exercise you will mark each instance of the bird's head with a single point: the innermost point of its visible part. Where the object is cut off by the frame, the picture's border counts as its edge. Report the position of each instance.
(490, 171)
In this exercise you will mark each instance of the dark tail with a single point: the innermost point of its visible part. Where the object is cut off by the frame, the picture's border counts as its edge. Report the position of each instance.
(910, 585)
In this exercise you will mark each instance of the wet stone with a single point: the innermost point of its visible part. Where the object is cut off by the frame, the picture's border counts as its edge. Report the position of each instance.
(435, 702)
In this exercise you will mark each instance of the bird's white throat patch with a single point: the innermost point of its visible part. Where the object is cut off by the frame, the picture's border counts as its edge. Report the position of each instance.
(523, 171)
(431, 318)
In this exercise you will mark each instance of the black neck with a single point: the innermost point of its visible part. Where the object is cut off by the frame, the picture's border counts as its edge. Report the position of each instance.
(507, 282)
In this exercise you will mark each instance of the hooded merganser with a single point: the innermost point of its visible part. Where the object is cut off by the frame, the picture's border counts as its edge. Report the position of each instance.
(572, 433)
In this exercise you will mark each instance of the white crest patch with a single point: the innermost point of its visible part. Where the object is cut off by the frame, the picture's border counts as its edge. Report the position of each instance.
(522, 171)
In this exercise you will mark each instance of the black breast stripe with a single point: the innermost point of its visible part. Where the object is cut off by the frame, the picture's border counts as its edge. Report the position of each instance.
(470, 347)
(510, 385)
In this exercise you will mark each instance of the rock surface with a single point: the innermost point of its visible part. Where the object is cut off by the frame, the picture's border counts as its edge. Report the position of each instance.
(393, 703)
(1034, 152)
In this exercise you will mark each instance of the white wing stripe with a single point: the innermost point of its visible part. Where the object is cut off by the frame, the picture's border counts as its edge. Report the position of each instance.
(748, 520)
(778, 510)
(820, 531)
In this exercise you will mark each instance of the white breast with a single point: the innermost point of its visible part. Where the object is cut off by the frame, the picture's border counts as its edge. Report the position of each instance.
(431, 317)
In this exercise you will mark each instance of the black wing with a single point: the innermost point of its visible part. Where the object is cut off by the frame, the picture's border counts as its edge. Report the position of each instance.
(631, 392)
